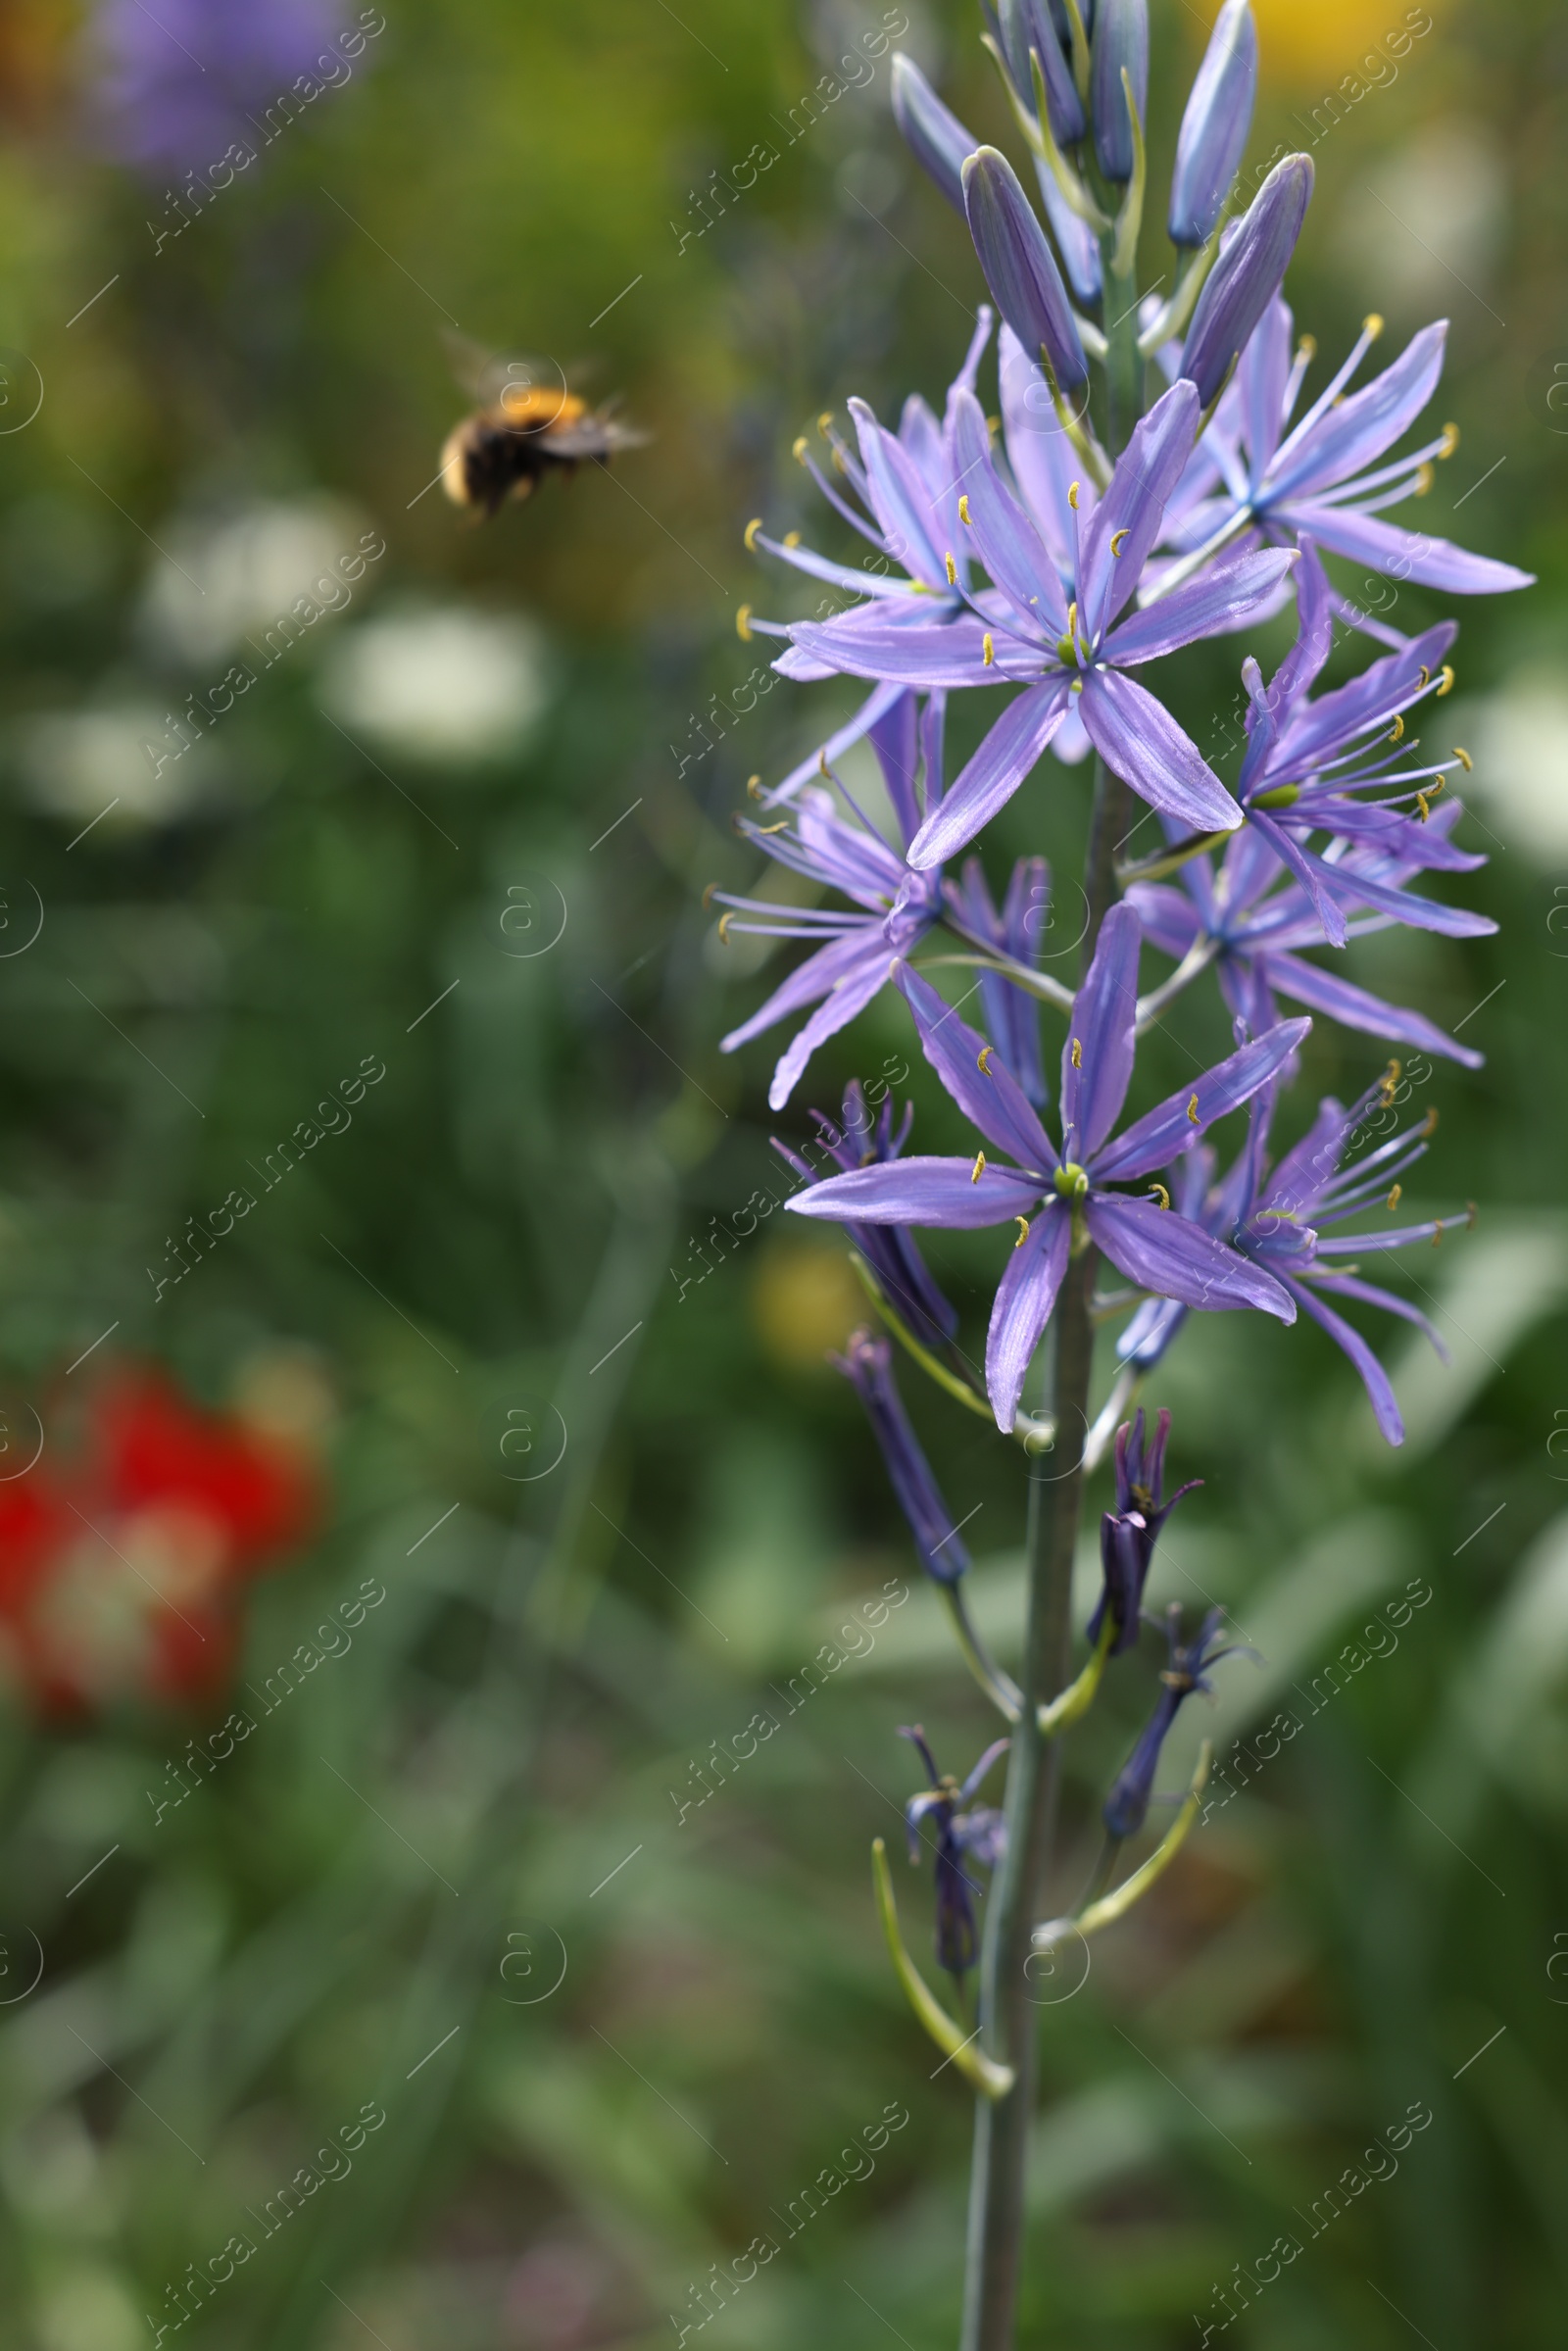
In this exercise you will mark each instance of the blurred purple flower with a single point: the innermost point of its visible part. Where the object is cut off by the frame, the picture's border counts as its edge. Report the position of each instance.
(179, 81)
(892, 1257)
(1128, 1802)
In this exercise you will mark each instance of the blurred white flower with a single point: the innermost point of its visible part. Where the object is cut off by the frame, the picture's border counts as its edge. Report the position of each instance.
(1518, 738)
(116, 763)
(1432, 232)
(231, 577)
(445, 683)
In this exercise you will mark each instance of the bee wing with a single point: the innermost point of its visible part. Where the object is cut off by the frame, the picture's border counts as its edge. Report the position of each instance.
(487, 376)
(591, 436)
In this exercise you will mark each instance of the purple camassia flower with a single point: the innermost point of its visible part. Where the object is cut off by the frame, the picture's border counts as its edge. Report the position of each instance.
(1259, 476)
(904, 484)
(899, 1267)
(1128, 1533)
(965, 1831)
(180, 85)
(1158, 1252)
(1253, 919)
(867, 1363)
(1063, 651)
(1127, 1806)
(1278, 1220)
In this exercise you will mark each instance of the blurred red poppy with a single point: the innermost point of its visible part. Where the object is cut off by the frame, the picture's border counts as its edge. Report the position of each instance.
(123, 1560)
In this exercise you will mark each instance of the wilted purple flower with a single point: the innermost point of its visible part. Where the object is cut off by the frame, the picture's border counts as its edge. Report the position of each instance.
(1129, 1533)
(966, 1832)
(892, 1257)
(1214, 128)
(1121, 44)
(867, 1363)
(1157, 1250)
(1278, 1220)
(1020, 267)
(179, 85)
(933, 133)
(1246, 276)
(1191, 1662)
(1281, 481)
(1066, 653)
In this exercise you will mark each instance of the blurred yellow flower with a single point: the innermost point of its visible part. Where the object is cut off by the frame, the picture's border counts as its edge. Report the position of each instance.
(805, 1302)
(1300, 43)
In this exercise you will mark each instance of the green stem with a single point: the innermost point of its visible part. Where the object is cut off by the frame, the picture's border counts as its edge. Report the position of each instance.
(1014, 1902)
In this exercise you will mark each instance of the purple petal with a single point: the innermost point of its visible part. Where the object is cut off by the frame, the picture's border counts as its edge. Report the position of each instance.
(1262, 378)
(1177, 1122)
(896, 740)
(1374, 1377)
(1024, 1300)
(1161, 1252)
(936, 137)
(1363, 426)
(1141, 742)
(1353, 888)
(851, 995)
(934, 1192)
(1005, 538)
(1343, 1285)
(1170, 921)
(1009, 751)
(1206, 606)
(1303, 665)
(1043, 462)
(1403, 554)
(1321, 729)
(991, 1098)
(1214, 128)
(923, 651)
(1147, 475)
(1020, 265)
(899, 499)
(817, 976)
(1097, 1057)
(1307, 870)
(1356, 1009)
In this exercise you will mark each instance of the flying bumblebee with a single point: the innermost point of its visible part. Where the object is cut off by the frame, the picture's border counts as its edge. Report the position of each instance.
(528, 425)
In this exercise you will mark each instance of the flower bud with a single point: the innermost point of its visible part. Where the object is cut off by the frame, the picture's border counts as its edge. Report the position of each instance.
(1121, 39)
(867, 1363)
(1248, 276)
(935, 136)
(1020, 267)
(1026, 24)
(1215, 126)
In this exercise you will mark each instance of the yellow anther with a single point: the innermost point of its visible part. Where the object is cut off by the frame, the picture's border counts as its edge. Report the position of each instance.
(992, 426)
(792, 538)
(707, 895)
(1072, 495)
(1395, 1195)
(1426, 675)
(839, 466)
(1116, 538)
(964, 508)
(1471, 1212)
(823, 767)
(1437, 1238)
(752, 529)
(986, 1051)
(979, 1168)
(1022, 1222)
(765, 832)
(1446, 686)
(1429, 1127)
(800, 449)
(1372, 326)
(1158, 1193)
(1424, 804)
(1426, 476)
(1464, 760)
(724, 922)
(1072, 618)
(1396, 731)
(1077, 1055)
(952, 570)
(823, 422)
(1450, 440)
(989, 649)
(743, 624)
(753, 785)
(1192, 1112)
(1307, 348)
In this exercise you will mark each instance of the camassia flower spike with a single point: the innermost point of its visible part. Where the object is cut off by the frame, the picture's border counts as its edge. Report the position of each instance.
(1060, 1198)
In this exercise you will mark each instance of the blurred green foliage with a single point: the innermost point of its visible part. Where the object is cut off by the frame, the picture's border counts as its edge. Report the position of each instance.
(368, 1904)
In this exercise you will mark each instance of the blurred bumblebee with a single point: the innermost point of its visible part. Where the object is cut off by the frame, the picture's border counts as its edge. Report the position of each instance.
(528, 425)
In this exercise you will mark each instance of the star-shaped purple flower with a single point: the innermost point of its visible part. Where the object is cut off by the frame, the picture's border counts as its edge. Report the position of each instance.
(1278, 1220)
(1067, 653)
(1069, 1185)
